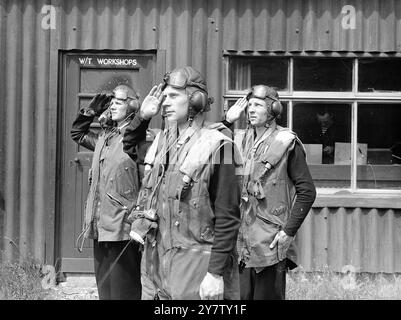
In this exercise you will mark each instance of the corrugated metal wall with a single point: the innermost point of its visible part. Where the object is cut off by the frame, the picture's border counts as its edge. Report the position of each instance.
(293, 26)
(24, 92)
(368, 239)
(187, 30)
(191, 32)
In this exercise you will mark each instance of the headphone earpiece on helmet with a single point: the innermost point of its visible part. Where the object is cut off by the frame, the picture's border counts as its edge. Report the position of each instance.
(133, 105)
(276, 107)
(198, 101)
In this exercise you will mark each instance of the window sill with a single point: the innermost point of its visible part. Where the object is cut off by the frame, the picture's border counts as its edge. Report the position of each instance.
(358, 200)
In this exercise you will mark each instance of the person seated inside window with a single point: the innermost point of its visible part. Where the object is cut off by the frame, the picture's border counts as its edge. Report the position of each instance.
(323, 131)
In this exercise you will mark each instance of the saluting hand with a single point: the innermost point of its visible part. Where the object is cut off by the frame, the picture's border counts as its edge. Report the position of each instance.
(152, 102)
(99, 103)
(234, 113)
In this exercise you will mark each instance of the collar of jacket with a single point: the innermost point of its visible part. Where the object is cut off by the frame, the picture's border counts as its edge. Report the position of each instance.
(123, 125)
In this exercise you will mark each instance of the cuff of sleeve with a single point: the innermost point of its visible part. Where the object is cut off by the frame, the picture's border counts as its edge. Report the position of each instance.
(217, 263)
(138, 116)
(226, 123)
(139, 120)
(142, 226)
(289, 232)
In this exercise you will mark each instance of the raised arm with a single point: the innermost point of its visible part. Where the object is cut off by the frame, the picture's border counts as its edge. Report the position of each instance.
(80, 131)
(135, 132)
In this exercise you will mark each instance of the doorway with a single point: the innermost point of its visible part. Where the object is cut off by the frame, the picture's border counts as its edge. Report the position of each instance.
(83, 75)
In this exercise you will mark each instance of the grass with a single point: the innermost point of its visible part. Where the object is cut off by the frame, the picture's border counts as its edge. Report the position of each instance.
(329, 285)
(21, 281)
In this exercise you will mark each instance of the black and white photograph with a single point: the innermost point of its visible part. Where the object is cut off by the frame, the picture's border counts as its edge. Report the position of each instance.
(188, 150)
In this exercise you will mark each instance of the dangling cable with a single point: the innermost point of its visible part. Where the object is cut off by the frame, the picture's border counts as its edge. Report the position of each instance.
(113, 265)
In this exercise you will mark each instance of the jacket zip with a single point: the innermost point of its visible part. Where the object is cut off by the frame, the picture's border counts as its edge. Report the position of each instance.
(117, 201)
(267, 220)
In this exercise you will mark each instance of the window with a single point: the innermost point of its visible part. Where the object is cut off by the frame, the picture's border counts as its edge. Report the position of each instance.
(379, 75)
(379, 134)
(345, 111)
(244, 73)
(322, 74)
(321, 148)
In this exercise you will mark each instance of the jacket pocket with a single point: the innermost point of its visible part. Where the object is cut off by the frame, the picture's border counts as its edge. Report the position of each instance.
(126, 182)
(177, 188)
(275, 213)
(200, 220)
(268, 220)
(114, 216)
(123, 205)
(274, 207)
(117, 200)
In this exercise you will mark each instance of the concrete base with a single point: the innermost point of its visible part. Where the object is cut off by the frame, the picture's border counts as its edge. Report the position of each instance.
(81, 280)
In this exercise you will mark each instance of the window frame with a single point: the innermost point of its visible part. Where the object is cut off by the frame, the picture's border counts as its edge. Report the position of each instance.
(354, 98)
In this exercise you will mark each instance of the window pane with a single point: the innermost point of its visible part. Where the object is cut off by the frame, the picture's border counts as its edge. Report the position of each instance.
(98, 80)
(322, 74)
(323, 128)
(241, 123)
(379, 136)
(379, 75)
(246, 72)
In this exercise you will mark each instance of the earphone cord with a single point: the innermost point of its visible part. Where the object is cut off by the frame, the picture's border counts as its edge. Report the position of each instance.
(245, 182)
(101, 281)
(156, 187)
(163, 167)
(173, 143)
(256, 142)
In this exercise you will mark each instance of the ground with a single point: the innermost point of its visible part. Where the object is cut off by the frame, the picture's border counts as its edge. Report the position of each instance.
(28, 281)
(74, 288)
(326, 285)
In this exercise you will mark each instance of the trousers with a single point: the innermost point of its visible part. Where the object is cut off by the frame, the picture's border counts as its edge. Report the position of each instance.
(124, 279)
(268, 284)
